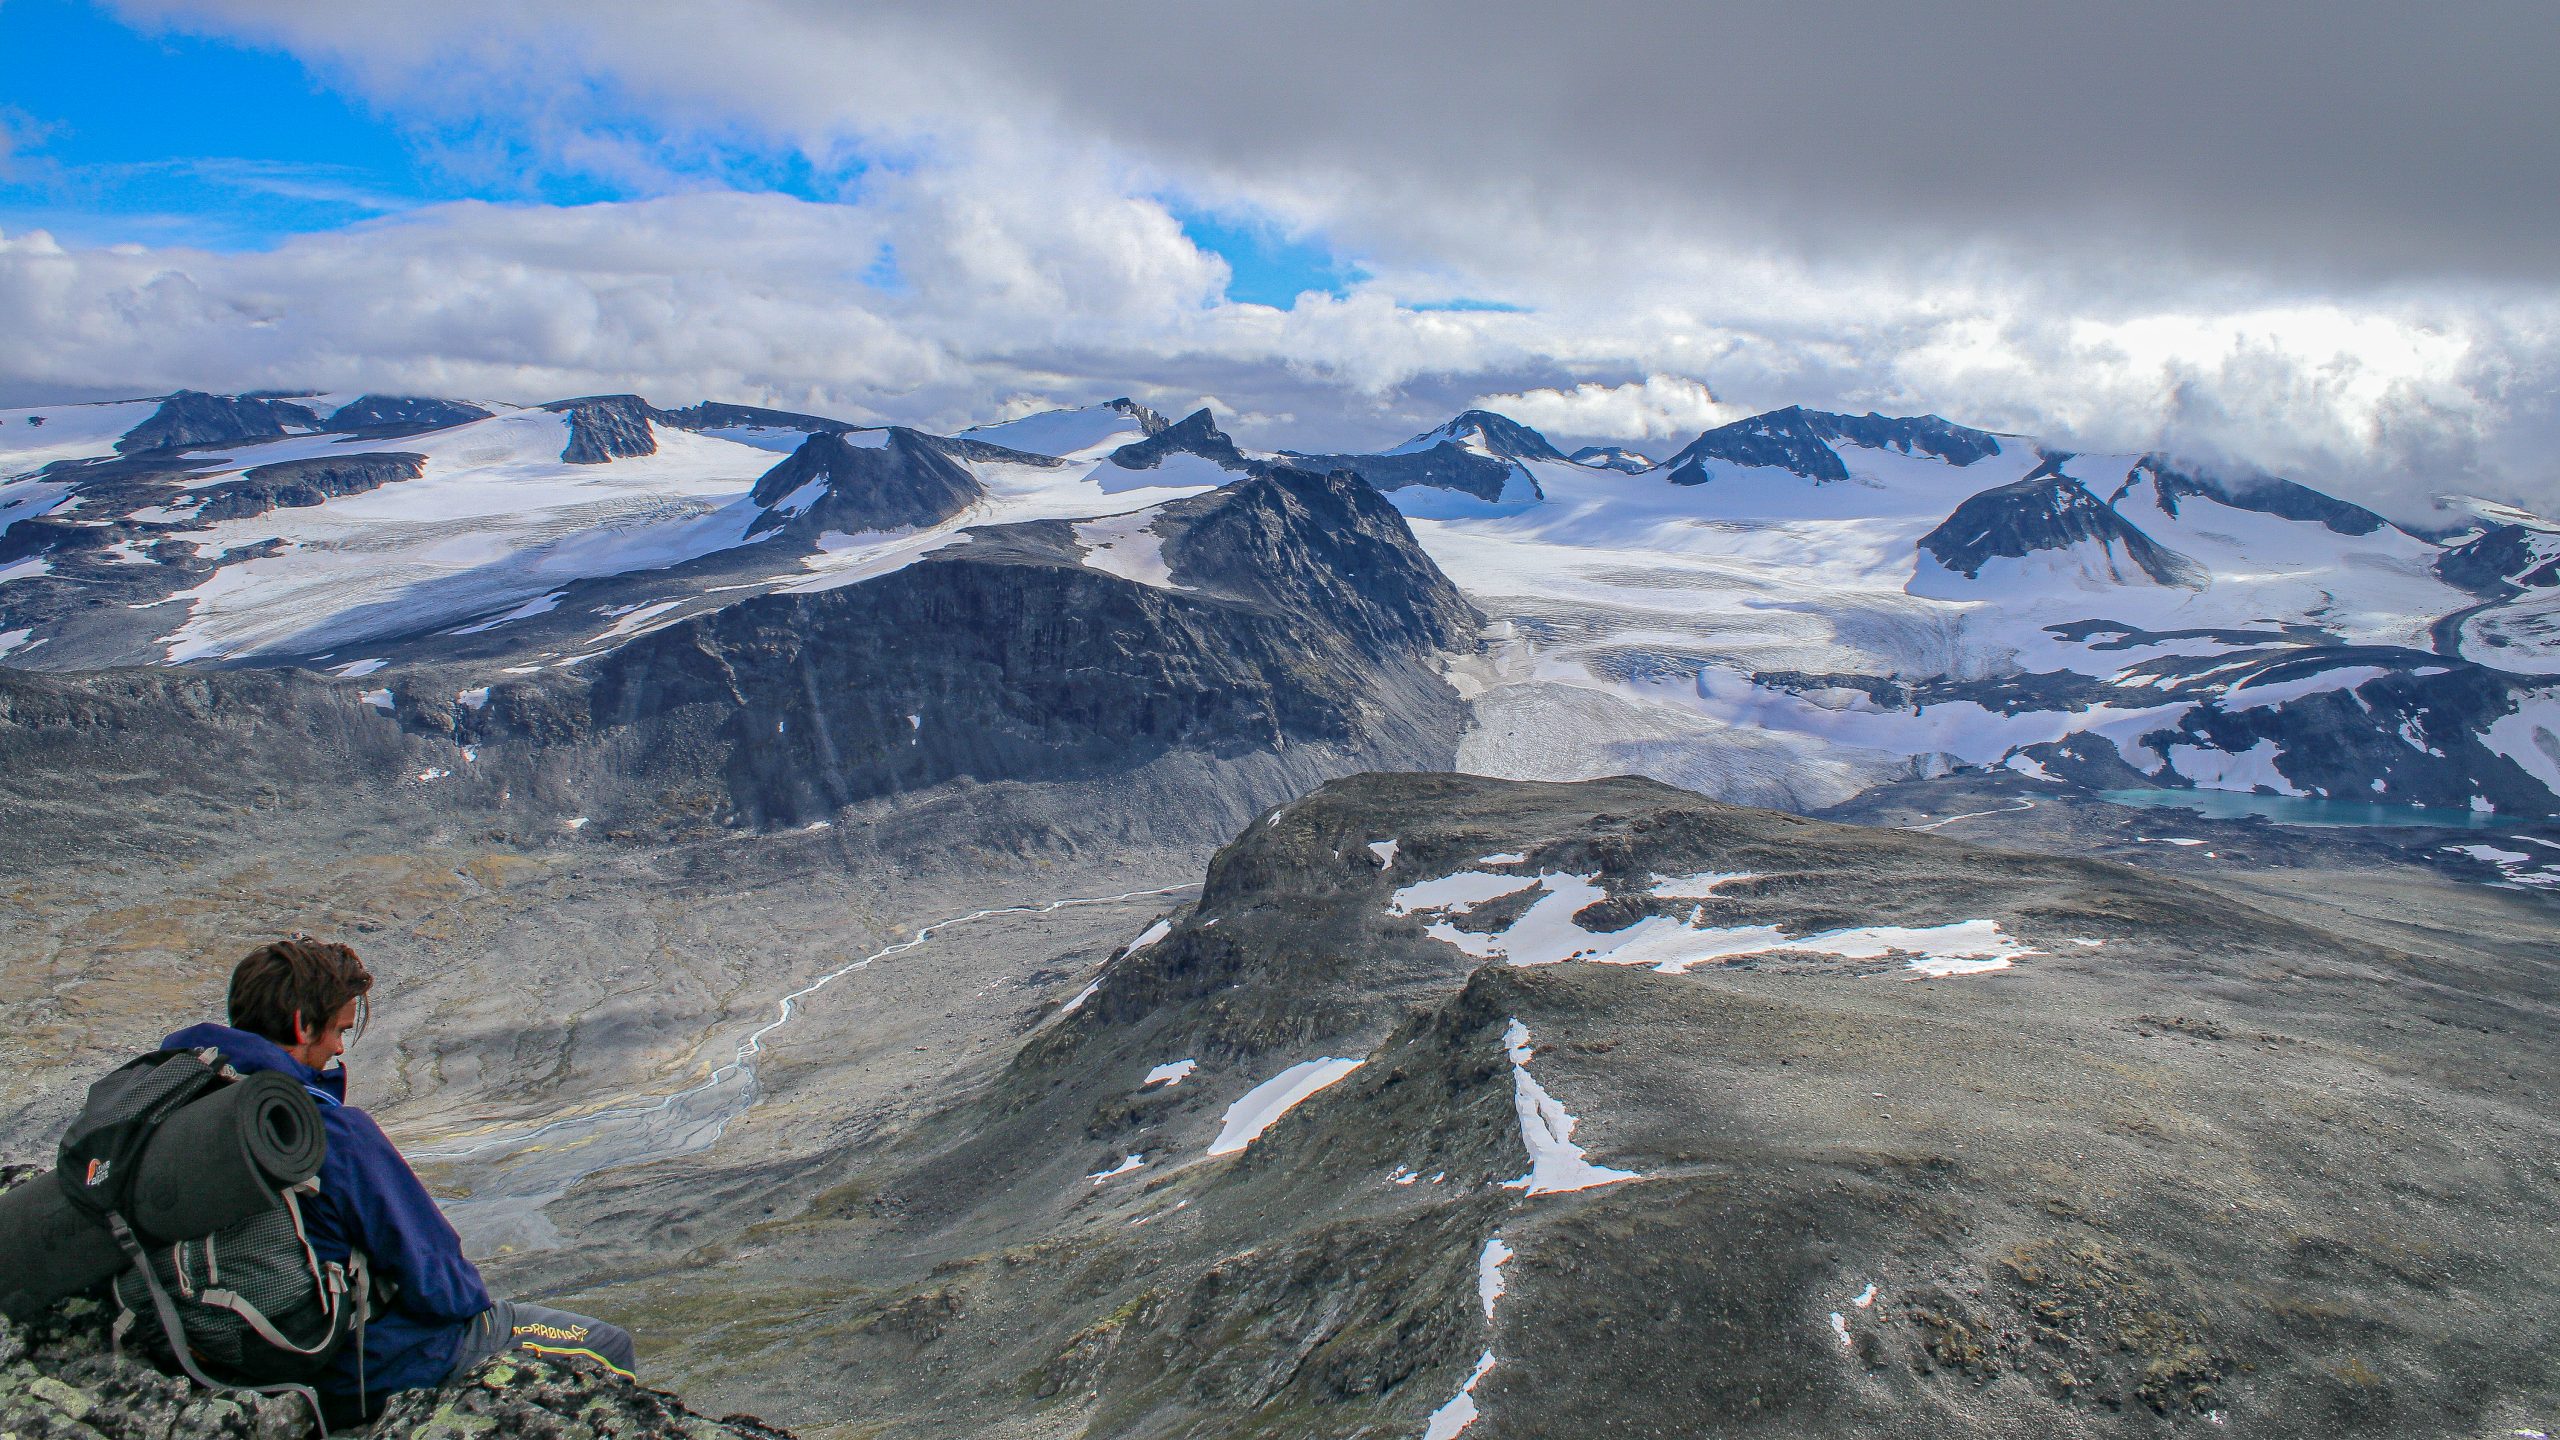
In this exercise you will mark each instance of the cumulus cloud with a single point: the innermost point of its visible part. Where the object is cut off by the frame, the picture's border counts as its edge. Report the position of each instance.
(2175, 226)
(1657, 407)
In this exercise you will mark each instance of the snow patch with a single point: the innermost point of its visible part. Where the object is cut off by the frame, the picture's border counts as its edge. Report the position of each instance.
(1489, 1272)
(475, 698)
(1147, 937)
(357, 669)
(1460, 1412)
(1385, 850)
(538, 605)
(378, 699)
(1127, 1164)
(1265, 1103)
(1127, 546)
(1170, 1074)
(1556, 1164)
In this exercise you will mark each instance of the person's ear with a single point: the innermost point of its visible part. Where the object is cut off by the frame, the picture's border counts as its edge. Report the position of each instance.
(301, 1032)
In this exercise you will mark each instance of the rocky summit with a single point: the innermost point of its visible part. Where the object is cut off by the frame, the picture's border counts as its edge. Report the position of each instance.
(1606, 1107)
(1084, 927)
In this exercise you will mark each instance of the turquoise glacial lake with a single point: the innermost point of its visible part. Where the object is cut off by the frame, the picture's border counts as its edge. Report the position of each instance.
(2290, 810)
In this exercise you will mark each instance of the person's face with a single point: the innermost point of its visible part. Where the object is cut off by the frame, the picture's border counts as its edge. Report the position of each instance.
(318, 1049)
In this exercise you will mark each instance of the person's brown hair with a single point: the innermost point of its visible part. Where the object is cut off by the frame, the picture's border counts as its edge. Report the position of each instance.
(300, 977)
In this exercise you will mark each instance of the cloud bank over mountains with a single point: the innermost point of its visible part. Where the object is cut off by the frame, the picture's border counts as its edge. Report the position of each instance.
(2321, 240)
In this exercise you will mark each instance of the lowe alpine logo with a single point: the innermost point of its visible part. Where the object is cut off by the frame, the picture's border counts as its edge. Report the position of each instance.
(97, 1173)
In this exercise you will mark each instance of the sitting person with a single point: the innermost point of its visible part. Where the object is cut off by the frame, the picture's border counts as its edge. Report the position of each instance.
(295, 1006)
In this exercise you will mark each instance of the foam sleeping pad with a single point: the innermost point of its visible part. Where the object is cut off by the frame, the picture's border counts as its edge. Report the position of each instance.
(215, 1162)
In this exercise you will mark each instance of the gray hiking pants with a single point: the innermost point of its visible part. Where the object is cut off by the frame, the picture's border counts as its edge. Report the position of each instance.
(515, 1325)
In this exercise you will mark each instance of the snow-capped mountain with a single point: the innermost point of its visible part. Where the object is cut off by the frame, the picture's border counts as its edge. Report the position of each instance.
(1803, 604)
(1796, 606)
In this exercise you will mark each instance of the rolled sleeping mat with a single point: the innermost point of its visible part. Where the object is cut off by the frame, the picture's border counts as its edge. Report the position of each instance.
(223, 1158)
(210, 1165)
(49, 1248)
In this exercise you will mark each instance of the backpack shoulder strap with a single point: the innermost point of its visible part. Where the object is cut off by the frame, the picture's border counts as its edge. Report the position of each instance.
(176, 1329)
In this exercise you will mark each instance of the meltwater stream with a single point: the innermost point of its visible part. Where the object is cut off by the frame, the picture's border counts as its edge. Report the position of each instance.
(515, 1173)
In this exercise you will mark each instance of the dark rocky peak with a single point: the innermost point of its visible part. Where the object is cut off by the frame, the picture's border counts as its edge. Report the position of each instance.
(2265, 494)
(719, 415)
(1801, 441)
(1442, 460)
(606, 428)
(295, 483)
(1148, 420)
(1301, 637)
(1612, 457)
(191, 417)
(1781, 439)
(2503, 556)
(1195, 434)
(835, 483)
(1497, 434)
(1293, 541)
(1921, 434)
(402, 414)
(2047, 511)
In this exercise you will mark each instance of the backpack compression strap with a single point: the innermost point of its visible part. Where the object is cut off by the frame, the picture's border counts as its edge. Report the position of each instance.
(176, 1329)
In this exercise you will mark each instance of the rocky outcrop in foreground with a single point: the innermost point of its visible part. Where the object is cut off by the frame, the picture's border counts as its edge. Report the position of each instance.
(61, 1379)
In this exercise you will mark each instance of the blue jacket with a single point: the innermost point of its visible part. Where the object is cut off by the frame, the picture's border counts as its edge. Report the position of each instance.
(370, 1200)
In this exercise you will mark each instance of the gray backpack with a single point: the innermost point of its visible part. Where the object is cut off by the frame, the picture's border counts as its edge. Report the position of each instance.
(250, 1301)
(253, 1301)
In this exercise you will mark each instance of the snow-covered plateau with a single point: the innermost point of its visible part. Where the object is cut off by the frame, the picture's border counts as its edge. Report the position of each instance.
(1793, 609)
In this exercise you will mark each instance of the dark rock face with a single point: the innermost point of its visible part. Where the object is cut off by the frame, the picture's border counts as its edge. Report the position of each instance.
(906, 482)
(605, 428)
(192, 417)
(1444, 466)
(2263, 493)
(2503, 556)
(2410, 736)
(1314, 619)
(1500, 434)
(1786, 439)
(1611, 457)
(403, 414)
(306, 482)
(1449, 464)
(1148, 420)
(1195, 434)
(2046, 511)
(1922, 434)
(718, 415)
(1799, 440)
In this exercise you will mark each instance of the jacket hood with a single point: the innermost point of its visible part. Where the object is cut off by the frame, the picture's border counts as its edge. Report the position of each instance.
(249, 1054)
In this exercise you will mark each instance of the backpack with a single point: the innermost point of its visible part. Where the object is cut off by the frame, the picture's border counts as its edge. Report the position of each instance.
(251, 1301)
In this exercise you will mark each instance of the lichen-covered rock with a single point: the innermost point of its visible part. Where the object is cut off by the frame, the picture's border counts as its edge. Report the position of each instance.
(555, 1398)
(61, 1379)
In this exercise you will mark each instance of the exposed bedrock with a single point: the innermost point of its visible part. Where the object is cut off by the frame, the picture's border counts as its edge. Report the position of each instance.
(302, 483)
(2125, 1179)
(403, 414)
(605, 428)
(2047, 511)
(830, 483)
(191, 417)
(1310, 618)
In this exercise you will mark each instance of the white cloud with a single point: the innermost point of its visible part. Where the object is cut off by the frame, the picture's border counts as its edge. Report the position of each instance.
(1658, 407)
(1007, 241)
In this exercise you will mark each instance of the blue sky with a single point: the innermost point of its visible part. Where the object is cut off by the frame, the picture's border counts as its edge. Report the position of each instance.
(120, 135)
